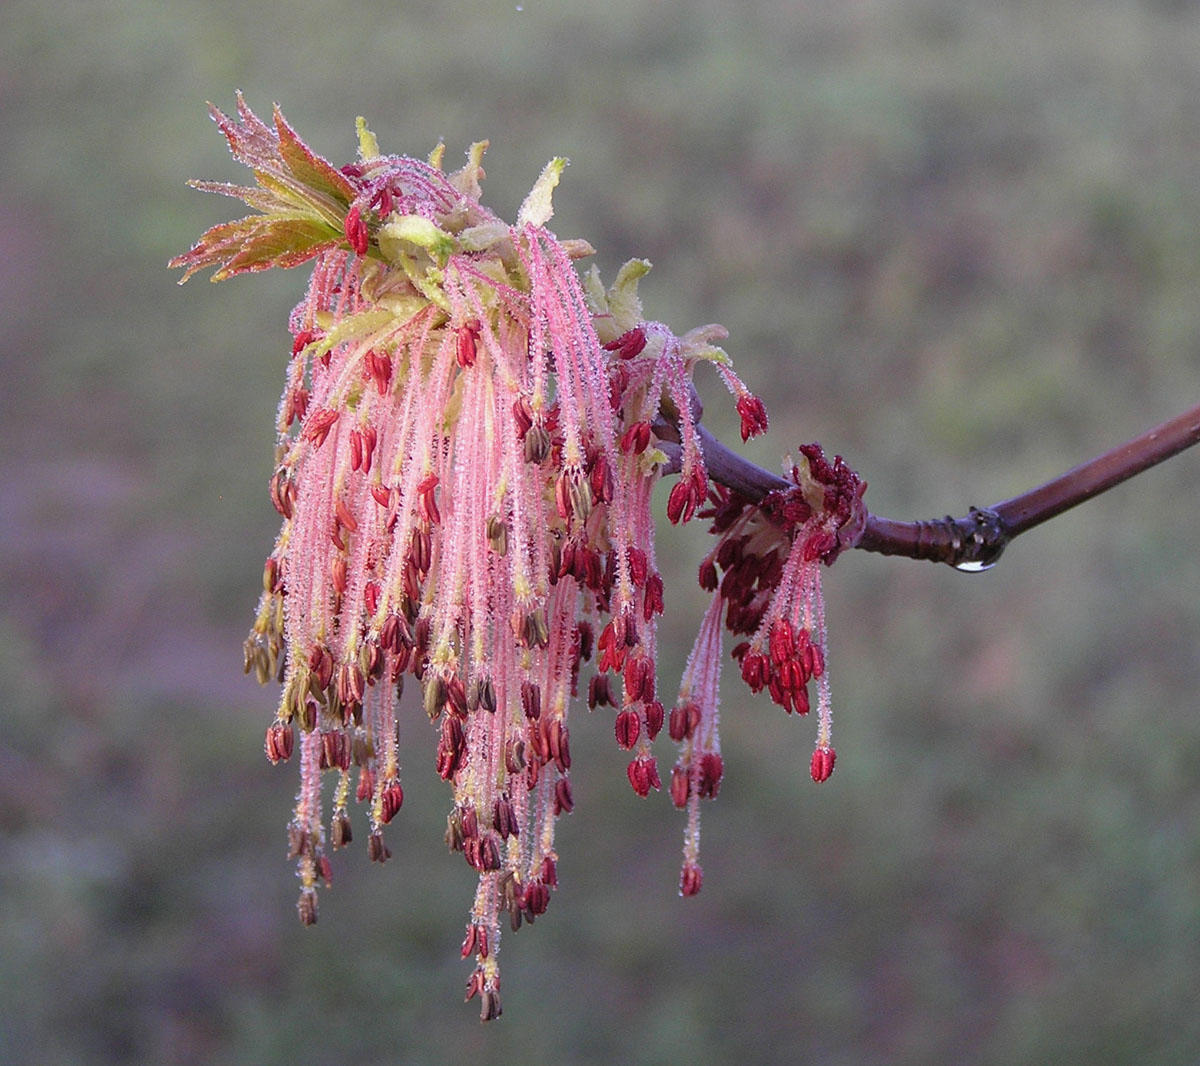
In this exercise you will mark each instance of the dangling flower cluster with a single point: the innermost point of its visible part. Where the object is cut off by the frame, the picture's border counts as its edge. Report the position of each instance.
(467, 447)
(770, 554)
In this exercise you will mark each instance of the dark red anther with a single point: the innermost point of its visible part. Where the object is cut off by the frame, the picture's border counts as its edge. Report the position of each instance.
(564, 801)
(753, 415)
(344, 518)
(428, 507)
(469, 823)
(303, 339)
(369, 437)
(792, 674)
(729, 555)
(628, 728)
(636, 439)
(612, 652)
(489, 852)
(567, 559)
(469, 942)
(421, 551)
(474, 985)
(599, 692)
(504, 818)
(822, 763)
(366, 785)
(396, 633)
(652, 601)
(684, 719)
(691, 877)
(456, 696)
(638, 565)
(628, 344)
(319, 424)
(781, 642)
(681, 786)
(712, 769)
(800, 700)
(536, 898)
(297, 405)
(468, 333)
(378, 367)
(335, 750)
(755, 671)
(523, 415)
(558, 743)
(817, 657)
(679, 502)
(549, 872)
(708, 576)
(643, 775)
(593, 571)
(325, 869)
(390, 799)
(601, 480)
(283, 492)
(779, 694)
(562, 495)
(451, 746)
(639, 678)
(272, 575)
(586, 640)
(356, 230)
(655, 716)
(383, 202)
(279, 742)
(351, 684)
(371, 596)
(531, 700)
(320, 662)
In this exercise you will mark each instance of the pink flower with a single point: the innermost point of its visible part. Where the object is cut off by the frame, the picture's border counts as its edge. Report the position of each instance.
(465, 462)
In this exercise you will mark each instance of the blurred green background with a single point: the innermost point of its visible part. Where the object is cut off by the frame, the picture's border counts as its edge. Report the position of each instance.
(956, 240)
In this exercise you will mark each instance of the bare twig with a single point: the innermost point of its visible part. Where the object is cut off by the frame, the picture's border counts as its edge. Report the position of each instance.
(976, 541)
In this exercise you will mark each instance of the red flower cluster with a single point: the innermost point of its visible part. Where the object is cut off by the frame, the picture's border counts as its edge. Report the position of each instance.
(764, 573)
(468, 443)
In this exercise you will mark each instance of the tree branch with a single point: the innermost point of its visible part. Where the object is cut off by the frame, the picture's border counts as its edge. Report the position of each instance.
(975, 542)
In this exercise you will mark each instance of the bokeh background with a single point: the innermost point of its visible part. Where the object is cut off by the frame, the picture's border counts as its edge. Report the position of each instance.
(956, 240)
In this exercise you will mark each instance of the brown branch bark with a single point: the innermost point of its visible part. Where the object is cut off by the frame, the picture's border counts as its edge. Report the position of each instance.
(975, 541)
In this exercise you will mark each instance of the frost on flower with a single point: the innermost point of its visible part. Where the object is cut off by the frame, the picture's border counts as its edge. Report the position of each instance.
(467, 446)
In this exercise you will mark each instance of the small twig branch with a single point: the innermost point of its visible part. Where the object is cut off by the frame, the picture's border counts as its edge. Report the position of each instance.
(976, 541)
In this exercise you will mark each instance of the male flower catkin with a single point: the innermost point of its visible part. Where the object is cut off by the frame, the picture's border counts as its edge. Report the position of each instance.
(467, 447)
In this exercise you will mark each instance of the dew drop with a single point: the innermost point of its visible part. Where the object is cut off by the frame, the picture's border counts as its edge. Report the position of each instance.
(975, 567)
